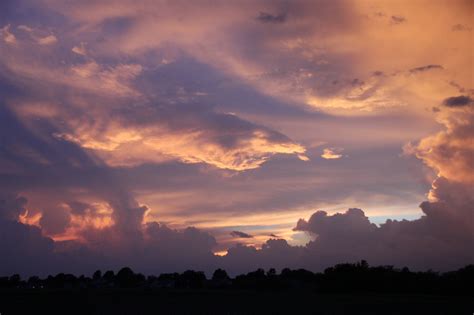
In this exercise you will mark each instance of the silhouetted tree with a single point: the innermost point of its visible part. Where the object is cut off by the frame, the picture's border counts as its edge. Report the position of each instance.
(126, 278)
(342, 278)
(109, 278)
(220, 274)
(15, 281)
(192, 279)
(220, 279)
(97, 275)
(271, 272)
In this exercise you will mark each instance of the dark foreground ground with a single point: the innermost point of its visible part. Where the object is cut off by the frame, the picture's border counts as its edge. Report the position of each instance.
(133, 301)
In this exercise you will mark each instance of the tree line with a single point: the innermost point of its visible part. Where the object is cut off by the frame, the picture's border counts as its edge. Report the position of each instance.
(342, 278)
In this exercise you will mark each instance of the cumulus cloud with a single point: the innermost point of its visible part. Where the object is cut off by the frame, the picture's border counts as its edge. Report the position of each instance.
(24, 250)
(335, 227)
(350, 236)
(152, 247)
(441, 239)
(21, 245)
(451, 152)
(446, 226)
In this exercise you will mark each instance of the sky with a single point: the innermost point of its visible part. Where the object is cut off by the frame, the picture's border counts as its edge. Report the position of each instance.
(174, 135)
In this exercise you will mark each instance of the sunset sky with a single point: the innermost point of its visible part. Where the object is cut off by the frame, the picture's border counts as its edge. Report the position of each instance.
(169, 135)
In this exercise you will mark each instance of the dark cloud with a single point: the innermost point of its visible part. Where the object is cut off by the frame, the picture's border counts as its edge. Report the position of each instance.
(55, 221)
(23, 248)
(157, 249)
(338, 226)
(458, 101)
(439, 240)
(153, 248)
(78, 207)
(189, 240)
(350, 236)
(425, 68)
(398, 19)
(11, 206)
(239, 234)
(271, 18)
(460, 28)
(457, 85)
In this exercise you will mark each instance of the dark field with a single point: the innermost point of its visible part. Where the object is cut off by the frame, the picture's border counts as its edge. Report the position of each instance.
(133, 301)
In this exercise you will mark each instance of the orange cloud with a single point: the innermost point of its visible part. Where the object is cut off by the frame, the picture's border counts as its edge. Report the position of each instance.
(134, 146)
(80, 50)
(8, 37)
(298, 62)
(332, 153)
(47, 40)
(450, 152)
